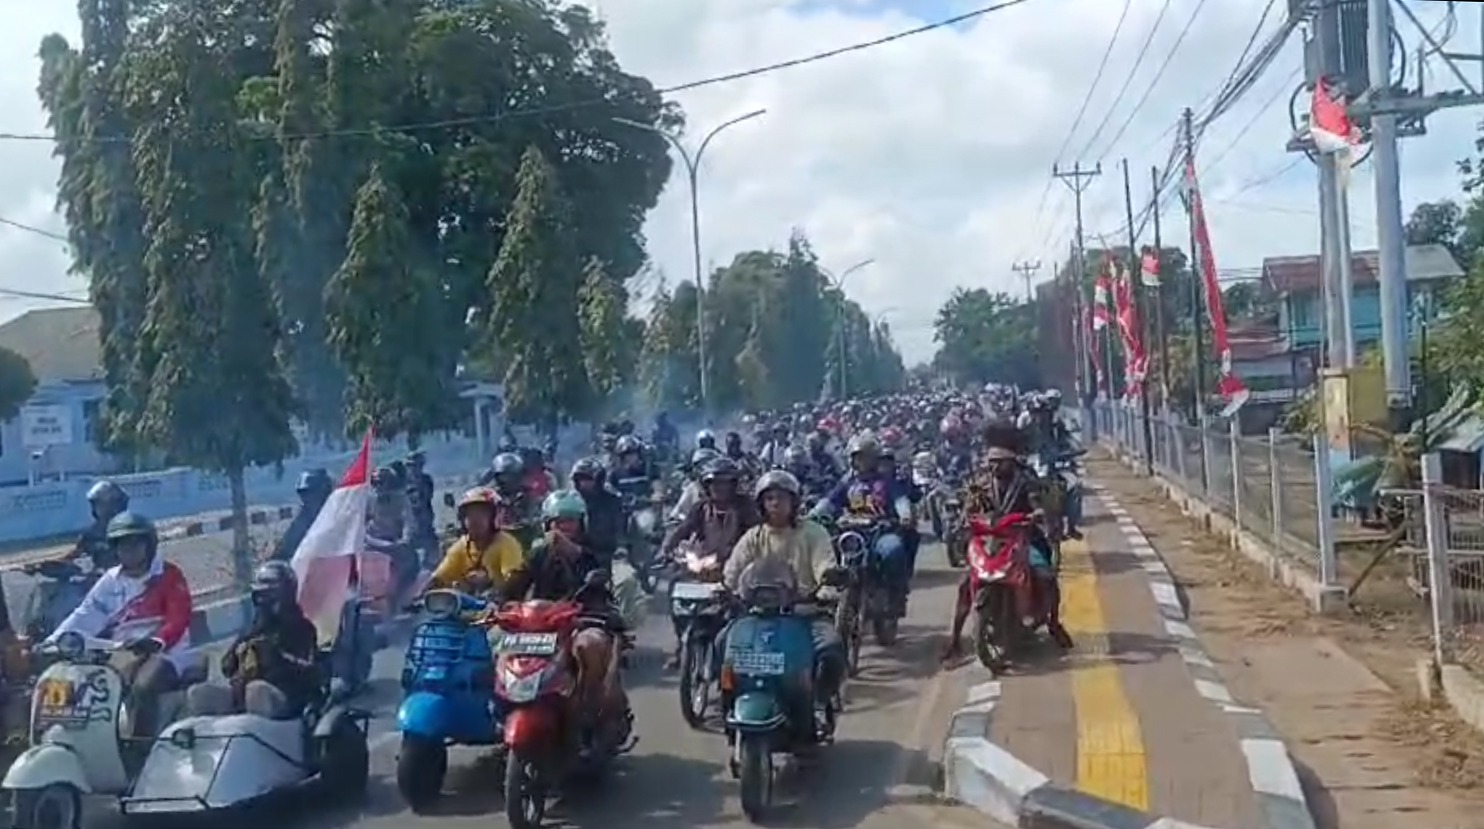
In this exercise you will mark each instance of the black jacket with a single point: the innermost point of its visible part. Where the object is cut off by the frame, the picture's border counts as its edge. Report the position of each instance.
(607, 525)
(284, 653)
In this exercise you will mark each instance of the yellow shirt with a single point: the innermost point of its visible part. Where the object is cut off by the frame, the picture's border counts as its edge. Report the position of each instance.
(500, 558)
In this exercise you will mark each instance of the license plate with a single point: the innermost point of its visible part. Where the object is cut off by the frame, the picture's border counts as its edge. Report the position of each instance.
(757, 663)
(693, 591)
(529, 644)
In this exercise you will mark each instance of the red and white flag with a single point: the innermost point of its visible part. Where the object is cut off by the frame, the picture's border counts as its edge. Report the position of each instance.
(1101, 287)
(1329, 124)
(326, 560)
(1149, 268)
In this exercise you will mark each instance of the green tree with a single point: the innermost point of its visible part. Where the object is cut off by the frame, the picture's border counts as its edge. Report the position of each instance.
(669, 368)
(535, 284)
(984, 337)
(17, 383)
(217, 397)
(609, 347)
(385, 313)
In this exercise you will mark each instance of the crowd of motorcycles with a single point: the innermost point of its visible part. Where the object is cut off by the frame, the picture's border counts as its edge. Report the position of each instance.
(480, 671)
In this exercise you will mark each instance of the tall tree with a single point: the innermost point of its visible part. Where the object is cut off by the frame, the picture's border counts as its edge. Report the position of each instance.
(17, 383)
(534, 285)
(609, 351)
(384, 314)
(985, 337)
(217, 397)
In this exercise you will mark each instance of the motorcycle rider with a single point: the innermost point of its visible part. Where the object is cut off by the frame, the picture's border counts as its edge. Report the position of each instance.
(536, 481)
(633, 477)
(272, 668)
(607, 525)
(485, 556)
(692, 491)
(558, 568)
(867, 492)
(313, 489)
(145, 603)
(106, 499)
(774, 455)
(1051, 437)
(518, 510)
(1012, 488)
(705, 439)
(664, 436)
(825, 462)
(796, 462)
(717, 520)
(785, 536)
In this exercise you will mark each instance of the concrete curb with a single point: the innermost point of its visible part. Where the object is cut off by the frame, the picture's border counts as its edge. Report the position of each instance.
(1270, 769)
(255, 517)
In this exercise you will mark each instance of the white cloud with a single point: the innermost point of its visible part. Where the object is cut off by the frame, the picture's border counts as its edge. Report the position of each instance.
(929, 155)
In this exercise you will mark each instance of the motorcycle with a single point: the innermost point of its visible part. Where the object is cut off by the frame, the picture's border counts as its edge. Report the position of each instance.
(956, 540)
(851, 553)
(767, 683)
(1007, 605)
(60, 588)
(76, 708)
(646, 533)
(870, 595)
(534, 680)
(448, 687)
(698, 611)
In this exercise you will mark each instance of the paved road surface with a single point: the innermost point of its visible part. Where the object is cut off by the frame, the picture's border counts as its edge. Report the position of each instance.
(1122, 716)
(874, 777)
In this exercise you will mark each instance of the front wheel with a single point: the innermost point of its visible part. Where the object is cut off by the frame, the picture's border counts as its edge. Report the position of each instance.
(421, 765)
(345, 760)
(885, 630)
(58, 806)
(695, 689)
(525, 792)
(755, 768)
(847, 624)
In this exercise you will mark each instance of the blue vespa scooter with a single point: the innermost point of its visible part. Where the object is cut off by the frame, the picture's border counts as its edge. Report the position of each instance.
(768, 689)
(448, 682)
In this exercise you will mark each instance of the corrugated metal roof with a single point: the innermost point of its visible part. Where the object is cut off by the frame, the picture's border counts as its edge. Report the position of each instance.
(61, 344)
(1467, 438)
(1286, 274)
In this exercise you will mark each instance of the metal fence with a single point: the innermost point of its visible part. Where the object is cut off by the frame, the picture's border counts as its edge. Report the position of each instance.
(1268, 486)
(1421, 553)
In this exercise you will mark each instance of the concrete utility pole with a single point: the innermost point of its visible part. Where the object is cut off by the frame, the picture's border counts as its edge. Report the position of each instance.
(1078, 180)
(1027, 270)
(1323, 62)
(1159, 303)
(1141, 313)
(1197, 289)
(1391, 241)
(692, 163)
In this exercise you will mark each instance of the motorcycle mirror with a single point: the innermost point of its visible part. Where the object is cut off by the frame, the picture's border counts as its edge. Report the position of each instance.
(448, 500)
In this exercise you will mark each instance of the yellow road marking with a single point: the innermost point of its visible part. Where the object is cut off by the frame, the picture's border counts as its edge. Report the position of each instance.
(1111, 762)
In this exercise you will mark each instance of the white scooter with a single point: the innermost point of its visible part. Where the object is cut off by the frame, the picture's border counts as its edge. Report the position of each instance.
(77, 714)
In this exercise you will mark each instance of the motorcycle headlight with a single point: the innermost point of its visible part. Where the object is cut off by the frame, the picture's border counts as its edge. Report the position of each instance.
(441, 603)
(70, 645)
(645, 520)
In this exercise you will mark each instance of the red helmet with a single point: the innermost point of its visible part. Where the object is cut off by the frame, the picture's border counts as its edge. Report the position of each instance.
(829, 425)
(891, 437)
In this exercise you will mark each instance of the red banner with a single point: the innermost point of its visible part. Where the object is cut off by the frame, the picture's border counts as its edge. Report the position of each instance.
(1229, 386)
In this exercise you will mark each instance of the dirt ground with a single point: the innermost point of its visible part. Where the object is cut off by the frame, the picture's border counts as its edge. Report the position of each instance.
(1342, 691)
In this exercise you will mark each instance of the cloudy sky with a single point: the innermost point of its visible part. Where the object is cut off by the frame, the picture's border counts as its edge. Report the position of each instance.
(930, 155)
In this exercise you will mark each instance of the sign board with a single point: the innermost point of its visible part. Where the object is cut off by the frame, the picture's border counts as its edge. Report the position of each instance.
(46, 426)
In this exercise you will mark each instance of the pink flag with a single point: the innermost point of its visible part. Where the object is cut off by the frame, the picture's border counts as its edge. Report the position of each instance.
(325, 561)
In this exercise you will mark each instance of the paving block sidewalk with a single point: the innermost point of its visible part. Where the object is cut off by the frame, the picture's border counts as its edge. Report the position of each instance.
(1133, 725)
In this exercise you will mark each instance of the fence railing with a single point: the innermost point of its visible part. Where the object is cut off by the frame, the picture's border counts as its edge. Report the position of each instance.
(1419, 553)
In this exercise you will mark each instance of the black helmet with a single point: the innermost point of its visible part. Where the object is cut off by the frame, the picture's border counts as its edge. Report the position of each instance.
(107, 498)
(314, 480)
(587, 468)
(275, 585)
(721, 468)
(128, 525)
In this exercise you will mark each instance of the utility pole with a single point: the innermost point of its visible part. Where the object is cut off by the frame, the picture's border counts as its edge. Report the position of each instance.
(1197, 292)
(1078, 180)
(1027, 270)
(1159, 302)
(1391, 242)
(1140, 310)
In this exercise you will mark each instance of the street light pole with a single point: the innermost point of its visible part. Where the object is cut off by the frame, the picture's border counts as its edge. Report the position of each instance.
(692, 171)
(839, 283)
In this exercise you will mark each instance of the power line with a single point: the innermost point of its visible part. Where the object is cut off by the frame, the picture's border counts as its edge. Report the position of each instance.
(453, 123)
(30, 229)
(1154, 82)
(1129, 79)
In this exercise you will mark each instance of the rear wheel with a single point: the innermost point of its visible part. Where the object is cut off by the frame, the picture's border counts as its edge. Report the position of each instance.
(58, 806)
(992, 633)
(421, 765)
(695, 690)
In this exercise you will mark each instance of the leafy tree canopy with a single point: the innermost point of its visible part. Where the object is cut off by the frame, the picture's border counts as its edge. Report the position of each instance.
(17, 383)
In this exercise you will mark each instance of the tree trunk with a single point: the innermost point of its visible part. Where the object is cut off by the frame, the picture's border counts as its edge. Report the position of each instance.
(242, 552)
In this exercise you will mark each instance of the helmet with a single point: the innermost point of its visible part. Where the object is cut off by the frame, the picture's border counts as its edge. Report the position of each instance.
(564, 503)
(478, 495)
(891, 437)
(796, 456)
(314, 480)
(275, 584)
(863, 443)
(109, 493)
(131, 525)
(508, 463)
(627, 444)
(779, 479)
(587, 468)
(705, 439)
(720, 467)
(734, 439)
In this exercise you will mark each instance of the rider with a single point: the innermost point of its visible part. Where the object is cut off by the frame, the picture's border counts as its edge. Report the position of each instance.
(1012, 488)
(1054, 440)
(105, 500)
(558, 568)
(823, 459)
(692, 491)
(314, 489)
(272, 667)
(143, 602)
(664, 436)
(507, 476)
(607, 525)
(705, 439)
(633, 477)
(772, 456)
(485, 556)
(866, 492)
(786, 536)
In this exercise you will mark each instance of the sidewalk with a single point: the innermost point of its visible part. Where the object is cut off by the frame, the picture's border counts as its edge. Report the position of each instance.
(1122, 717)
(1338, 690)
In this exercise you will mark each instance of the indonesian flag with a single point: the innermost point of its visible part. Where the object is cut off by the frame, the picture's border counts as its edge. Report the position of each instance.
(1149, 268)
(1100, 291)
(326, 559)
(1329, 124)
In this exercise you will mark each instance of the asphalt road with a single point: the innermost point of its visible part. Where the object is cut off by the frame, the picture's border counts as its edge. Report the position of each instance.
(874, 777)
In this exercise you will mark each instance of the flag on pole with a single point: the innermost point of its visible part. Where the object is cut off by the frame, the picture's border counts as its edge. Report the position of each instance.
(1329, 123)
(1149, 268)
(326, 559)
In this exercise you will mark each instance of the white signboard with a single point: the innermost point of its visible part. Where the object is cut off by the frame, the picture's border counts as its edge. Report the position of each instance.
(46, 426)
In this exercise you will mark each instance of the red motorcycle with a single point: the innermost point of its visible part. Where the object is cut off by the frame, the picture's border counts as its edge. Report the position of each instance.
(1007, 605)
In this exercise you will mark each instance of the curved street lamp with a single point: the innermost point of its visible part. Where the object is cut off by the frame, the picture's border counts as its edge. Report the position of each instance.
(839, 284)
